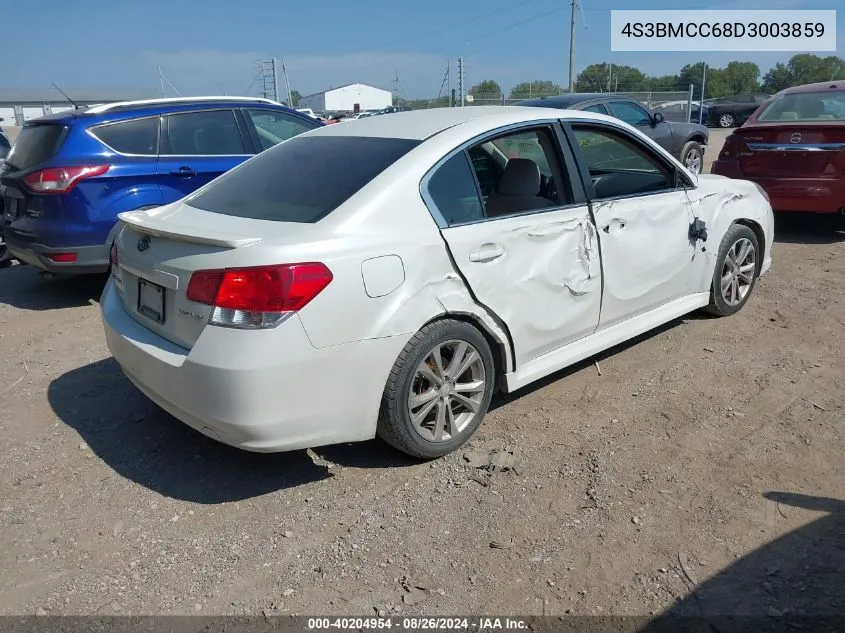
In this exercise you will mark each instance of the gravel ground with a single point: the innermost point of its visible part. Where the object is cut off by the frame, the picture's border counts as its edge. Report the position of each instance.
(699, 470)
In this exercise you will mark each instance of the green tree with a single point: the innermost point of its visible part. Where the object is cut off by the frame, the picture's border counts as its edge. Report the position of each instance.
(606, 77)
(487, 89)
(295, 96)
(537, 88)
(715, 85)
(741, 77)
(804, 68)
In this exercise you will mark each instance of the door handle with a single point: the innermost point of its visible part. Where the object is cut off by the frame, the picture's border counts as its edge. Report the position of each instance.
(487, 253)
(619, 224)
(185, 172)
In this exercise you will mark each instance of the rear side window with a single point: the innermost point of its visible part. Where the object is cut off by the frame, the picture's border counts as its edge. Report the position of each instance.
(453, 190)
(130, 137)
(301, 180)
(36, 144)
(274, 127)
(207, 133)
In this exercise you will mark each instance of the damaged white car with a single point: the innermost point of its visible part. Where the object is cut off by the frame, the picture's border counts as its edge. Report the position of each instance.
(386, 276)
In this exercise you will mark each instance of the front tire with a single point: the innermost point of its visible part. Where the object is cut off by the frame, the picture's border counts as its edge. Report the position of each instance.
(438, 391)
(735, 275)
(692, 156)
(727, 120)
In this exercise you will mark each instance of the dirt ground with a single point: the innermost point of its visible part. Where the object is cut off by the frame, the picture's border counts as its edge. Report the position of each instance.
(700, 471)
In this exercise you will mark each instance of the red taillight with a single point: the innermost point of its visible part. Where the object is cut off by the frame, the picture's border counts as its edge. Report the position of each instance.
(61, 179)
(256, 297)
(62, 258)
(732, 146)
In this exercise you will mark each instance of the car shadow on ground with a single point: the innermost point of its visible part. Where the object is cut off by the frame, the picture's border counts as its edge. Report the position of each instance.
(148, 446)
(793, 583)
(501, 399)
(23, 287)
(808, 228)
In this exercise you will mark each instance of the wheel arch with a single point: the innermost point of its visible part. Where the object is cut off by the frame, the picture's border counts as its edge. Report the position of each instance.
(502, 350)
(759, 233)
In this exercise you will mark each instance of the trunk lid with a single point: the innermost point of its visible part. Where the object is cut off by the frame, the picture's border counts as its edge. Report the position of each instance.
(159, 249)
(793, 150)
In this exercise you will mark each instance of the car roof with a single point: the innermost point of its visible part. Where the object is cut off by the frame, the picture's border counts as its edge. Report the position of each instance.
(131, 109)
(820, 86)
(422, 124)
(568, 100)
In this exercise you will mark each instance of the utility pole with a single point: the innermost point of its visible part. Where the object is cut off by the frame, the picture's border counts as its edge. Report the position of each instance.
(572, 48)
(461, 80)
(287, 83)
(161, 80)
(701, 102)
(609, 76)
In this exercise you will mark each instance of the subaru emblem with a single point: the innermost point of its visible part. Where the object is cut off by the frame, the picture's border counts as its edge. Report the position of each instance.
(795, 138)
(144, 244)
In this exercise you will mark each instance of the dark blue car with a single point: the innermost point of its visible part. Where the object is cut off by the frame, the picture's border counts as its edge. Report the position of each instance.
(69, 175)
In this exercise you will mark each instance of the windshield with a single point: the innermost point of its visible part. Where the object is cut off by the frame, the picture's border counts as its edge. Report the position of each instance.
(301, 180)
(805, 106)
(36, 144)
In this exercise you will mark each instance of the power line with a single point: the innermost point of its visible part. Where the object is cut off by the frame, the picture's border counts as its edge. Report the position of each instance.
(465, 40)
(443, 29)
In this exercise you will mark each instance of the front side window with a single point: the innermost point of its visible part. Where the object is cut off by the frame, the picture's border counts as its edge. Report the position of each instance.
(629, 112)
(206, 133)
(619, 166)
(274, 127)
(301, 180)
(130, 137)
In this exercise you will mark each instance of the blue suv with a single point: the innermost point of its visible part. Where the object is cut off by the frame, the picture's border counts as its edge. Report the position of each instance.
(69, 175)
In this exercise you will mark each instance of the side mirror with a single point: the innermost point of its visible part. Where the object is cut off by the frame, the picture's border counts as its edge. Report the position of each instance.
(657, 117)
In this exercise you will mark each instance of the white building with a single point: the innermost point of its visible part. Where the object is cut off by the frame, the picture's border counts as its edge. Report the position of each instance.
(349, 98)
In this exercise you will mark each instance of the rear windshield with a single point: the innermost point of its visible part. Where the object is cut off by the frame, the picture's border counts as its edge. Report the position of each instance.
(805, 106)
(35, 144)
(301, 180)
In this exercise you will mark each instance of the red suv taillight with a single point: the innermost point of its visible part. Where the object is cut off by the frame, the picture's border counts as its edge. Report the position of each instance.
(258, 297)
(61, 179)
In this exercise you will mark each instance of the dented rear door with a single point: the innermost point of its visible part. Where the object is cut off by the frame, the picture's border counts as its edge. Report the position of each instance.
(538, 273)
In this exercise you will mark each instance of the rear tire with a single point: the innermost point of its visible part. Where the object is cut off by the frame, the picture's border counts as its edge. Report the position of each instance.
(438, 391)
(727, 120)
(735, 274)
(5, 255)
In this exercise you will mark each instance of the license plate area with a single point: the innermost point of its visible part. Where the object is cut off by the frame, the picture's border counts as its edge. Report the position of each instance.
(151, 300)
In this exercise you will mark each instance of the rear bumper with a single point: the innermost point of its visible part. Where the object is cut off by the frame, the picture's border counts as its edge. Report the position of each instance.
(811, 195)
(89, 259)
(263, 391)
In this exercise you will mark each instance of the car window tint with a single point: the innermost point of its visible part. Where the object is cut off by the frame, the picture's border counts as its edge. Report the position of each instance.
(618, 165)
(301, 180)
(598, 108)
(36, 144)
(206, 133)
(452, 189)
(130, 137)
(527, 176)
(274, 127)
(629, 112)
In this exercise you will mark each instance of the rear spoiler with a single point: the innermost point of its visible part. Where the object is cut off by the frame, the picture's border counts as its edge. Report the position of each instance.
(148, 223)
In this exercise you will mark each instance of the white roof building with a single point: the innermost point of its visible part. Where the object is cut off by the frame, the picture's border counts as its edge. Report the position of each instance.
(351, 98)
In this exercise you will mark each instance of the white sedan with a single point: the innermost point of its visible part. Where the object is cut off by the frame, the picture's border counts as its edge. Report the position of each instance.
(387, 276)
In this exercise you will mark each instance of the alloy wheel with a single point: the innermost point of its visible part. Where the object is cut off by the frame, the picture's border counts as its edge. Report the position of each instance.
(692, 161)
(738, 272)
(447, 391)
(726, 120)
